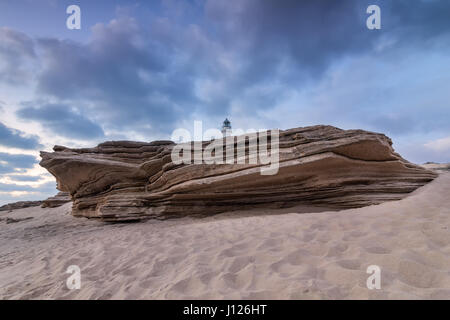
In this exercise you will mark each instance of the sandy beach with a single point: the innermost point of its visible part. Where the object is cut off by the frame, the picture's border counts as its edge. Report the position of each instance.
(292, 253)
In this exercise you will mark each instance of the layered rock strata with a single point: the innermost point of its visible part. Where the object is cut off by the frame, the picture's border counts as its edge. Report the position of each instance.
(57, 200)
(20, 205)
(319, 166)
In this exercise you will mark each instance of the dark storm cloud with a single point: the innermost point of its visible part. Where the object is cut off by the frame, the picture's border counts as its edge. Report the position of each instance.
(308, 33)
(312, 34)
(16, 54)
(137, 79)
(13, 138)
(10, 162)
(419, 20)
(403, 123)
(108, 64)
(62, 120)
(137, 75)
(128, 76)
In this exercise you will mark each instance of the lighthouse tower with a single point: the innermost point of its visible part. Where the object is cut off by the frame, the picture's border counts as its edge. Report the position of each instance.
(226, 128)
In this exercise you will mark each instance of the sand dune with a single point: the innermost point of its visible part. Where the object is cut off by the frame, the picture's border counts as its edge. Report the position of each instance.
(258, 254)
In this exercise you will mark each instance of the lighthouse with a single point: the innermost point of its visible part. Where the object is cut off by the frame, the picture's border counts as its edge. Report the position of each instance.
(226, 128)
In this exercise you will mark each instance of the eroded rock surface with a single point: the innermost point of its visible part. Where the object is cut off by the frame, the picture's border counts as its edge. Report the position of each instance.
(57, 200)
(20, 205)
(319, 165)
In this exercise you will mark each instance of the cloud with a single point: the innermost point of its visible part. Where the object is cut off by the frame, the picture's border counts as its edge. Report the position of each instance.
(14, 138)
(147, 79)
(442, 144)
(16, 186)
(423, 20)
(246, 52)
(127, 76)
(45, 187)
(24, 178)
(10, 163)
(6, 187)
(304, 34)
(17, 54)
(13, 192)
(310, 35)
(62, 120)
(436, 151)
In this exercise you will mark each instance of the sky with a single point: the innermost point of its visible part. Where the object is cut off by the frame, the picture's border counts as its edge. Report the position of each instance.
(138, 70)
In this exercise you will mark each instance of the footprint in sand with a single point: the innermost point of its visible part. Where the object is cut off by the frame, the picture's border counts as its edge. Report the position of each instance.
(283, 268)
(378, 250)
(337, 250)
(270, 243)
(309, 236)
(188, 286)
(351, 264)
(263, 295)
(235, 281)
(437, 234)
(358, 234)
(418, 275)
(240, 263)
(234, 251)
(298, 257)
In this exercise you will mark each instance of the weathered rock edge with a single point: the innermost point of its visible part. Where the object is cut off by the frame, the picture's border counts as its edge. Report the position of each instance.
(57, 200)
(20, 205)
(319, 165)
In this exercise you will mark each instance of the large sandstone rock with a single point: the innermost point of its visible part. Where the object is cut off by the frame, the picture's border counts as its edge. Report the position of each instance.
(319, 165)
